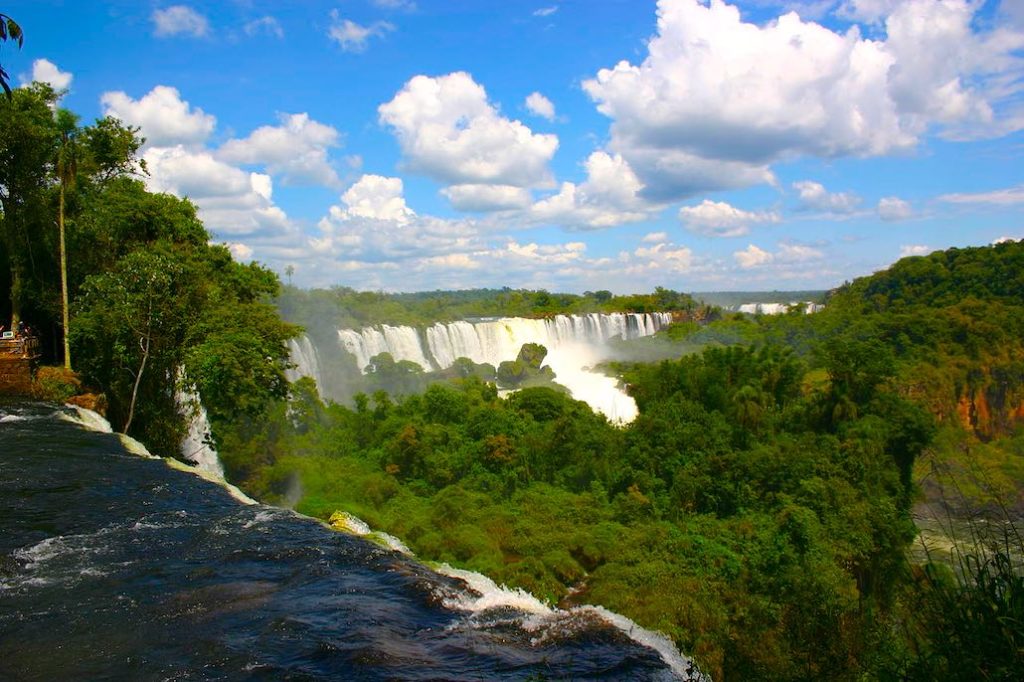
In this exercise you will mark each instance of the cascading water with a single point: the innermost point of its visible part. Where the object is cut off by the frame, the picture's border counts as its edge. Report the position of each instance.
(574, 343)
(777, 308)
(305, 359)
(114, 566)
(196, 446)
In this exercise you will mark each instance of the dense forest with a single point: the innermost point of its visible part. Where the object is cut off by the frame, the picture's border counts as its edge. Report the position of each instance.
(323, 311)
(767, 485)
(155, 308)
(758, 511)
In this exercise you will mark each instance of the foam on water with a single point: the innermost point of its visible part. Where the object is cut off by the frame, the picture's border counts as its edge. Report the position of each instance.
(489, 595)
(534, 615)
(92, 421)
(547, 621)
(679, 664)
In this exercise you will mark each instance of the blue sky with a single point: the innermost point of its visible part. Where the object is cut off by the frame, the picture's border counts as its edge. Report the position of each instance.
(584, 144)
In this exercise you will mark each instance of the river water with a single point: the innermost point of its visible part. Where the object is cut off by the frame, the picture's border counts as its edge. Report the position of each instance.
(116, 566)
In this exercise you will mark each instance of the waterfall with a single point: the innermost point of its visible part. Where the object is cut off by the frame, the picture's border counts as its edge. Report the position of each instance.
(574, 343)
(306, 360)
(196, 447)
(777, 308)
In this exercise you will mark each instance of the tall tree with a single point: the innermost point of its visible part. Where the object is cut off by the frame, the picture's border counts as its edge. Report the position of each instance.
(28, 143)
(67, 168)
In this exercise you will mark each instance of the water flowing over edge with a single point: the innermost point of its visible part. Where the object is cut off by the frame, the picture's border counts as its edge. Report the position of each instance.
(575, 343)
(484, 594)
(196, 447)
(777, 308)
(92, 421)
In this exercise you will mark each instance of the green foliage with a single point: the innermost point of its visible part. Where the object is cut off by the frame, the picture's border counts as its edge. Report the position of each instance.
(153, 303)
(341, 307)
(771, 532)
(757, 510)
(526, 369)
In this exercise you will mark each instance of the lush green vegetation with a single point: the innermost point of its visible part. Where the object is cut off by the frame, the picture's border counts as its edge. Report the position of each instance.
(733, 299)
(149, 295)
(342, 307)
(758, 510)
(775, 521)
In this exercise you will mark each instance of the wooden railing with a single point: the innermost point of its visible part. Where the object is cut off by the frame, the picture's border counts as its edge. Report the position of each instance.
(20, 347)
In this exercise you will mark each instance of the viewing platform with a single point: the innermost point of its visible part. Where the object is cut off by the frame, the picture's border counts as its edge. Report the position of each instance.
(18, 358)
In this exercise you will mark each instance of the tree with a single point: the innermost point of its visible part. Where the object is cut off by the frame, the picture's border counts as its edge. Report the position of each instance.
(67, 168)
(28, 143)
(136, 314)
(9, 29)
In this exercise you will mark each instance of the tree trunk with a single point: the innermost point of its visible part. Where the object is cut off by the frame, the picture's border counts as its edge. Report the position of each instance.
(15, 295)
(64, 279)
(144, 345)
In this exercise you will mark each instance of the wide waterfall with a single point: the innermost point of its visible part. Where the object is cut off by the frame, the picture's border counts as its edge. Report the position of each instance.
(777, 308)
(575, 343)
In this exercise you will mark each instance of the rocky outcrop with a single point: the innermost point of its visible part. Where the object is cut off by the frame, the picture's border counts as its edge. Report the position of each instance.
(993, 406)
(97, 402)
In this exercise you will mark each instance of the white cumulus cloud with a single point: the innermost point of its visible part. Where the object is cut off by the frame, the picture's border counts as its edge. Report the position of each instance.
(892, 209)
(539, 105)
(719, 219)
(448, 130)
(45, 71)
(373, 224)
(164, 117)
(714, 89)
(231, 201)
(609, 196)
(179, 19)
(752, 256)
(914, 250)
(296, 150)
(375, 197)
(814, 196)
(788, 253)
(487, 197)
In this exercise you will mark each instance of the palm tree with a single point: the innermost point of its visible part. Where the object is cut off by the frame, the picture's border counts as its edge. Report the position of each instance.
(67, 168)
(750, 403)
(9, 29)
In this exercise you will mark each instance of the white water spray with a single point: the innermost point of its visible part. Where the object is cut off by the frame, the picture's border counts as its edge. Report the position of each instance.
(575, 343)
(196, 447)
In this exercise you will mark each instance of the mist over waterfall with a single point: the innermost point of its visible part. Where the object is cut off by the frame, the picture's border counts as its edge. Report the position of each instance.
(575, 343)
(305, 359)
(778, 308)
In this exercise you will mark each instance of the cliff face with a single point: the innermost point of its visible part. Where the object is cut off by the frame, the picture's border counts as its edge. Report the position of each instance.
(992, 404)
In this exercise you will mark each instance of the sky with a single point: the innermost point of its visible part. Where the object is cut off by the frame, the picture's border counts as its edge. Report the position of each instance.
(572, 145)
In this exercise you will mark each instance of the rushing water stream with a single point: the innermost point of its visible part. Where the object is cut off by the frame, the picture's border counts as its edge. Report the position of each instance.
(115, 566)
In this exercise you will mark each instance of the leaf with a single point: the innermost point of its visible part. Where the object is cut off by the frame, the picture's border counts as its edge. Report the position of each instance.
(14, 31)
